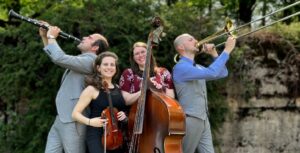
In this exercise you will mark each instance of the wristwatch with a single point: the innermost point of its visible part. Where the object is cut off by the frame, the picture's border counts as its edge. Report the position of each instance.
(50, 37)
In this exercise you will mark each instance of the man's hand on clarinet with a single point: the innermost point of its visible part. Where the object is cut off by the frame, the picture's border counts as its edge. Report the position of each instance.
(42, 31)
(53, 32)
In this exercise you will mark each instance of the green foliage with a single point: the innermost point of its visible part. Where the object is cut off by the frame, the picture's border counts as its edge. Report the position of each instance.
(29, 80)
(26, 90)
(290, 32)
(185, 17)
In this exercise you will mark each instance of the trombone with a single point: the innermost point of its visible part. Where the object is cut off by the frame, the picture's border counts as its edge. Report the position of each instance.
(230, 30)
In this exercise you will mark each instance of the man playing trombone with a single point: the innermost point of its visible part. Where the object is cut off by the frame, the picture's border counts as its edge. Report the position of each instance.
(66, 135)
(190, 84)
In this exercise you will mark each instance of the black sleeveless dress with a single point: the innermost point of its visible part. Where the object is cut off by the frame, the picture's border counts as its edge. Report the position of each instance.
(94, 134)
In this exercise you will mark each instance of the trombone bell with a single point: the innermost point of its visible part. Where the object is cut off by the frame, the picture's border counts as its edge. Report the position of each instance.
(228, 29)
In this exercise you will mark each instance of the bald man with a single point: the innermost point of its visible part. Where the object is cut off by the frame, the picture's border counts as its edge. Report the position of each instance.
(190, 84)
(66, 135)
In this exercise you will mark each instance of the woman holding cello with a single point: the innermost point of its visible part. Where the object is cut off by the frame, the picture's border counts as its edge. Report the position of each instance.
(100, 94)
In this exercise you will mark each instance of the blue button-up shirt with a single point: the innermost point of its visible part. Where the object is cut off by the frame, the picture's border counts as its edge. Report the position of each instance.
(184, 70)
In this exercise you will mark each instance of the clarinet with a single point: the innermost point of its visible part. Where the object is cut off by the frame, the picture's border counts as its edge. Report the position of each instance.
(62, 34)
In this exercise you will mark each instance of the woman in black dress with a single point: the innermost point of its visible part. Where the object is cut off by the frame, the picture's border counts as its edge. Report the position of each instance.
(95, 97)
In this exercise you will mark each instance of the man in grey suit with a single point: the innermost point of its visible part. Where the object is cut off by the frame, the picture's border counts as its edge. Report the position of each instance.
(190, 84)
(66, 135)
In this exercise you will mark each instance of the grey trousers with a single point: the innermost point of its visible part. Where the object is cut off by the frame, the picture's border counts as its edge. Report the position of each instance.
(198, 136)
(66, 137)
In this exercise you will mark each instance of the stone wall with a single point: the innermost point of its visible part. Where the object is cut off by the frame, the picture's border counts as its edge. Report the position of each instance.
(262, 129)
(263, 95)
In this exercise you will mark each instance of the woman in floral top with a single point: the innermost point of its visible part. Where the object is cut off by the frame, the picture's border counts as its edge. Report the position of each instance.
(130, 81)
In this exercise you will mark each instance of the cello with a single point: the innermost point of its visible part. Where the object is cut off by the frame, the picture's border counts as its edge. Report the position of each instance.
(156, 122)
(112, 139)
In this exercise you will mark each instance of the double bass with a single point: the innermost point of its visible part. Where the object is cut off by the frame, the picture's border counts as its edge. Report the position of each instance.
(156, 122)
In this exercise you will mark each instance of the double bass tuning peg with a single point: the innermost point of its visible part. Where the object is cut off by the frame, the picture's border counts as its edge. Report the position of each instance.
(156, 22)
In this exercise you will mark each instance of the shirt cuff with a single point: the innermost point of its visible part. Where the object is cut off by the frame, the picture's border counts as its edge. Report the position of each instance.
(51, 46)
(224, 55)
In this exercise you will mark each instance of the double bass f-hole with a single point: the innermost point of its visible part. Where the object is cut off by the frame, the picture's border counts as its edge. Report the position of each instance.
(113, 138)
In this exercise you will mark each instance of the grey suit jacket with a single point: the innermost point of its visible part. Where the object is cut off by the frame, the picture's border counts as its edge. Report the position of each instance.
(72, 82)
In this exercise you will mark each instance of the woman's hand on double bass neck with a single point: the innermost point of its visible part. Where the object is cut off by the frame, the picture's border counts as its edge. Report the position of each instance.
(121, 116)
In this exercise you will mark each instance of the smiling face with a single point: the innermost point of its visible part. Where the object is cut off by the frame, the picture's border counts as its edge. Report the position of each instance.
(107, 68)
(139, 56)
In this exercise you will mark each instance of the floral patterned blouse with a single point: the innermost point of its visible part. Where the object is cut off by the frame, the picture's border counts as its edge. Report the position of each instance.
(130, 82)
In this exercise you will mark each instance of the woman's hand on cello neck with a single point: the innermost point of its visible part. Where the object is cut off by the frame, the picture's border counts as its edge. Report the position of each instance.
(97, 122)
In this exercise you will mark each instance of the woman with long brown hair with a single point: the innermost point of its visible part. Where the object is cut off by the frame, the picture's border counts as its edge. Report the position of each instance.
(95, 97)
